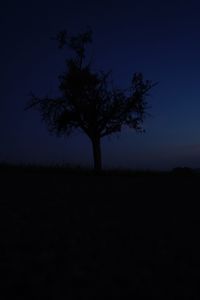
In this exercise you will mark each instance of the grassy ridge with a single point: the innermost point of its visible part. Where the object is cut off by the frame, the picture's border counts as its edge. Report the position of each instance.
(66, 168)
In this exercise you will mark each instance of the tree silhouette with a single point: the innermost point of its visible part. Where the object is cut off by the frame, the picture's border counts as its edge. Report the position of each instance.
(89, 100)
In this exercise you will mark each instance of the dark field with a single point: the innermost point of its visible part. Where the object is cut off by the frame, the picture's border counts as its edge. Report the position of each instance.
(77, 235)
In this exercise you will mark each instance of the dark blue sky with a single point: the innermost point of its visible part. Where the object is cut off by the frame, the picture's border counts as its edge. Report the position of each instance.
(159, 38)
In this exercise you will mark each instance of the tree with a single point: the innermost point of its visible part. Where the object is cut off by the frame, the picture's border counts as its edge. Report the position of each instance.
(89, 101)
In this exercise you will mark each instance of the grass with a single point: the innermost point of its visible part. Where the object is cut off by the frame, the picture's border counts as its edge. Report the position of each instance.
(124, 234)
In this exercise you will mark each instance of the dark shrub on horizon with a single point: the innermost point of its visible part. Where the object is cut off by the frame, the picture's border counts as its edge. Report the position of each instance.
(183, 171)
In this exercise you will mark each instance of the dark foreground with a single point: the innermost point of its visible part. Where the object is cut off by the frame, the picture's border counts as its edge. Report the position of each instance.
(81, 236)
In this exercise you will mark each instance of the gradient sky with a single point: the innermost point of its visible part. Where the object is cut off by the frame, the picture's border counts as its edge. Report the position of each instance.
(159, 38)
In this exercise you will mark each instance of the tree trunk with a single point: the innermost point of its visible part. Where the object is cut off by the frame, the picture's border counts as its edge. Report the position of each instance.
(96, 145)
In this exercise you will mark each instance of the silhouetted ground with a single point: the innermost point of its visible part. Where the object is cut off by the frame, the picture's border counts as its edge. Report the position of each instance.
(68, 235)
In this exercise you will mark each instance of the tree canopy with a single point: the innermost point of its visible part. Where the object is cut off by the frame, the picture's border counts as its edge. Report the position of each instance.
(88, 99)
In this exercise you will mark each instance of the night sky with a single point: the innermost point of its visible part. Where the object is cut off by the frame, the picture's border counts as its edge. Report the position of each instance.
(159, 38)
